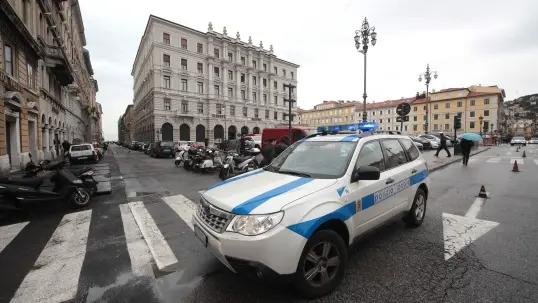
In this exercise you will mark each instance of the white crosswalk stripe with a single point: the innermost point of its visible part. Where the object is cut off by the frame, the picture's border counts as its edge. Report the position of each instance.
(9, 232)
(183, 207)
(55, 275)
(161, 251)
(494, 160)
(136, 245)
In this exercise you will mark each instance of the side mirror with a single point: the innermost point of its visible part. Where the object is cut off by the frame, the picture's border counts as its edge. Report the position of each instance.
(365, 173)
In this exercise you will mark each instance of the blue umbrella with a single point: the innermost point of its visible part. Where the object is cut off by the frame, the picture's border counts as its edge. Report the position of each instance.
(472, 137)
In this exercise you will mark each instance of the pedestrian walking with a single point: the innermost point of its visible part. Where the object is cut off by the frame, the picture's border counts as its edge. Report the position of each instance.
(466, 146)
(268, 152)
(242, 145)
(281, 146)
(442, 145)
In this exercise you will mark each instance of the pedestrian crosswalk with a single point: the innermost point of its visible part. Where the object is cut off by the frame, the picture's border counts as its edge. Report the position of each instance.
(54, 276)
(503, 160)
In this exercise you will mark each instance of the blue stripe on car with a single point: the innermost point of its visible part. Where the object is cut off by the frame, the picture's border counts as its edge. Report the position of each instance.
(340, 191)
(306, 228)
(246, 207)
(349, 138)
(236, 178)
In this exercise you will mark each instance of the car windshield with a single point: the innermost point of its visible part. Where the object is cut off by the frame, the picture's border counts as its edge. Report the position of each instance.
(314, 159)
(167, 143)
(519, 138)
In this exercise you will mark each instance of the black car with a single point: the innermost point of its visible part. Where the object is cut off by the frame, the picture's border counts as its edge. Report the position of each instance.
(163, 149)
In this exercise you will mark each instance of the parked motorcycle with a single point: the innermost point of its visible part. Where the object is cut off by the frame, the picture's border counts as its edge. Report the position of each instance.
(20, 194)
(85, 173)
(193, 154)
(236, 164)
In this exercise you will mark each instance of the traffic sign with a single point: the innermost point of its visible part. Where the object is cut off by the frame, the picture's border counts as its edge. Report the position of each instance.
(402, 119)
(403, 109)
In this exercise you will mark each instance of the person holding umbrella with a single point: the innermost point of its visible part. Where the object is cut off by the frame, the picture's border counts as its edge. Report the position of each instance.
(467, 144)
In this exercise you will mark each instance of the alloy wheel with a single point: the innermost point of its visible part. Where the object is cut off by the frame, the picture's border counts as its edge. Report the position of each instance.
(321, 264)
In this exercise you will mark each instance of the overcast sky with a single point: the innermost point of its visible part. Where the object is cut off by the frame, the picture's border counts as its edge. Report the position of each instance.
(468, 42)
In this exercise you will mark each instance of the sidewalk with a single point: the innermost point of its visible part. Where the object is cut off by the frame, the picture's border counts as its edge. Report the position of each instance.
(436, 163)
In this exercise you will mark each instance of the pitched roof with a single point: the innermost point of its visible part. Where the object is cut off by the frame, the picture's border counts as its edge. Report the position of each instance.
(450, 90)
(476, 94)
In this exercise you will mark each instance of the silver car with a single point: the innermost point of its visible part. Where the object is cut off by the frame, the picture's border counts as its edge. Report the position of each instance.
(518, 141)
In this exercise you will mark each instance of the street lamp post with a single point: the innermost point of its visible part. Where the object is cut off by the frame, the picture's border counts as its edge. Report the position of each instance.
(363, 35)
(427, 77)
(481, 120)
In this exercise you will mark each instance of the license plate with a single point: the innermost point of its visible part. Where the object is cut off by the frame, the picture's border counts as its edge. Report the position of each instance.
(83, 158)
(200, 235)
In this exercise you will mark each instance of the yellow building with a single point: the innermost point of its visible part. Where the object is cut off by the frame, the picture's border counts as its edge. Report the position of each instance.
(329, 113)
(470, 104)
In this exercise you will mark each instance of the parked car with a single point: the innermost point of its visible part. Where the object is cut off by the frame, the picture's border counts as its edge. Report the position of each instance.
(163, 149)
(82, 153)
(533, 140)
(434, 141)
(425, 143)
(281, 133)
(149, 147)
(254, 140)
(518, 141)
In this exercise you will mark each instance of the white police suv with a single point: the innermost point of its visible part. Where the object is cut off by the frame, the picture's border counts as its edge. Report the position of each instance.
(296, 217)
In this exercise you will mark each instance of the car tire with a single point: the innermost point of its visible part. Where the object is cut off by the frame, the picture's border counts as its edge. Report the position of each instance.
(317, 244)
(416, 214)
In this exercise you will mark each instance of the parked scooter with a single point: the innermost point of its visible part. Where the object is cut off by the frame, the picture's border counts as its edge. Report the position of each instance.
(193, 155)
(208, 161)
(182, 155)
(85, 173)
(235, 164)
(19, 194)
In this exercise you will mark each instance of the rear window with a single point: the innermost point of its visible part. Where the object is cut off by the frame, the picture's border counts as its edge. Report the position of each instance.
(80, 147)
(167, 143)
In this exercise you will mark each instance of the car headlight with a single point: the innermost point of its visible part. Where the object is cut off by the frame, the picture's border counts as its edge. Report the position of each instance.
(252, 225)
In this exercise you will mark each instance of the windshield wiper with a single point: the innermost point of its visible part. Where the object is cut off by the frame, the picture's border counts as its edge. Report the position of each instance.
(294, 173)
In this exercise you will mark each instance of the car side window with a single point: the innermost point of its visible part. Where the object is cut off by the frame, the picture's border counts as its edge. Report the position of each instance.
(411, 149)
(394, 152)
(371, 155)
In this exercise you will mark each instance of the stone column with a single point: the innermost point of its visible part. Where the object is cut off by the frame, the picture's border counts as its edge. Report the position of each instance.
(270, 100)
(225, 82)
(46, 146)
(249, 85)
(210, 81)
(260, 90)
(238, 84)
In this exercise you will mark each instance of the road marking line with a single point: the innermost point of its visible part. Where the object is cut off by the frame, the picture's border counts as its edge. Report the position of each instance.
(137, 247)
(8, 233)
(162, 253)
(471, 160)
(55, 275)
(536, 161)
(494, 160)
(509, 153)
(183, 207)
(519, 161)
(473, 211)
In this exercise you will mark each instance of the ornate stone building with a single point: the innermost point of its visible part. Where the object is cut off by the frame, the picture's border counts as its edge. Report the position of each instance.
(190, 85)
(46, 84)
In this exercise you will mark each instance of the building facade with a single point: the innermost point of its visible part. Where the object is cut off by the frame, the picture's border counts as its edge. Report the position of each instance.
(437, 110)
(190, 85)
(48, 93)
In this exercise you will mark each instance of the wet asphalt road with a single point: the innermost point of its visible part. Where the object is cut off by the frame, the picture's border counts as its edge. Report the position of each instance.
(391, 264)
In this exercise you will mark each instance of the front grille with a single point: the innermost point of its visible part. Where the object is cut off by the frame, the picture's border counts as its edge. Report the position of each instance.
(214, 217)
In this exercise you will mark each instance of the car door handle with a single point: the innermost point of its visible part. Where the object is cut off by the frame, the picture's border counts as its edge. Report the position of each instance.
(389, 181)
(413, 171)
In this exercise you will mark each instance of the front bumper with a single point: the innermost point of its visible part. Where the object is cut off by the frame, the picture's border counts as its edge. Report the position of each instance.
(273, 254)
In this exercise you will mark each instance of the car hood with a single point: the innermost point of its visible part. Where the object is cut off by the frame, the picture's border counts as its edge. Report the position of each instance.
(261, 192)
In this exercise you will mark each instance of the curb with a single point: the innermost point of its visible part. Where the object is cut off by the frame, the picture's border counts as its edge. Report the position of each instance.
(455, 160)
